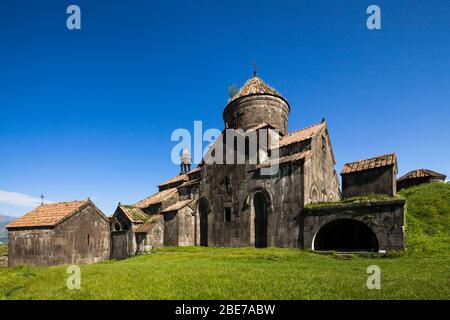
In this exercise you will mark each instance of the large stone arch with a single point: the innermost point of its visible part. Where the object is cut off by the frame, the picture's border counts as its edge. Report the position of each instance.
(345, 234)
(313, 224)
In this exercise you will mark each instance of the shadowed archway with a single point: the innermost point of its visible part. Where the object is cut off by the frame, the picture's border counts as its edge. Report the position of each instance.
(260, 204)
(204, 210)
(346, 235)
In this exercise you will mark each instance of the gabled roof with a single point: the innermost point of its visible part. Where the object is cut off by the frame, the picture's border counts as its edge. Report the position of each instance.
(156, 198)
(49, 215)
(286, 159)
(422, 173)
(371, 163)
(178, 178)
(195, 170)
(178, 205)
(301, 135)
(190, 183)
(135, 214)
(255, 86)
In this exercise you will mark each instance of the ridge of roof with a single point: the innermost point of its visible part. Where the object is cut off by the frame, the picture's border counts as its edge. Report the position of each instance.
(255, 86)
(421, 173)
(370, 163)
(301, 134)
(286, 159)
(180, 177)
(157, 197)
(50, 214)
(178, 205)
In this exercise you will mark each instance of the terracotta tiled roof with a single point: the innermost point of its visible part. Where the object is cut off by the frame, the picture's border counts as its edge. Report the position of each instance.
(178, 178)
(156, 198)
(422, 173)
(49, 215)
(301, 135)
(135, 214)
(255, 86)
(290, 158)
(195, 170)
(190, 183)
(259, 126)
(372, 163)
(179, 205)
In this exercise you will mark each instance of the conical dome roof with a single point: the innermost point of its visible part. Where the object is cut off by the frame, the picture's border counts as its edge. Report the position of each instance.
(255, 104)
(255, 86)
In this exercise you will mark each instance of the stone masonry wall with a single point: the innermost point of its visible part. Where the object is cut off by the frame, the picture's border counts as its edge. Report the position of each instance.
(385, 219)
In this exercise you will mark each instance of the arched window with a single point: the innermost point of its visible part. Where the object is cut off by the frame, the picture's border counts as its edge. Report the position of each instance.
(117, 226)
(314, 195)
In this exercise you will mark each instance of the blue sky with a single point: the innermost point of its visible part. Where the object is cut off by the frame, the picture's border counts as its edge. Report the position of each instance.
(90, 112)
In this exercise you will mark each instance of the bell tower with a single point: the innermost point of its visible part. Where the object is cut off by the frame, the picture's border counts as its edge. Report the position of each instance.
(185, 161)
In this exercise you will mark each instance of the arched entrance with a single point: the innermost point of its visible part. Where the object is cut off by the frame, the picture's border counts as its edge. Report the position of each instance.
(346, 235)
(260, 205)
(204, 211)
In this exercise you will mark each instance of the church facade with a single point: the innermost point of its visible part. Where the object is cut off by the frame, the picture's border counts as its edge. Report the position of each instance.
(236, 205)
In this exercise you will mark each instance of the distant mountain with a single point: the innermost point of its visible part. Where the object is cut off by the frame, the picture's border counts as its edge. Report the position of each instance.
(4, 221)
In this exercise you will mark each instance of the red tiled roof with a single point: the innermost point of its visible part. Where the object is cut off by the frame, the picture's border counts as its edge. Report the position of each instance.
(195, 170)
(179, 205)
(178, 178)
(190, 183)
(301, 135)
(422, 173)
(157, 198)
(372, 163)
(49, 215)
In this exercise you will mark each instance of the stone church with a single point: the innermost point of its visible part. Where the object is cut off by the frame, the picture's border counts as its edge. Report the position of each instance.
(234, 205)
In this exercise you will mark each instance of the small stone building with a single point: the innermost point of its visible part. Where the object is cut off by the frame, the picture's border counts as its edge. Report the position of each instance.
(133, 231)
(369, 218)
(59, 233)
(361, 225)
(370, 176)
(419, 176)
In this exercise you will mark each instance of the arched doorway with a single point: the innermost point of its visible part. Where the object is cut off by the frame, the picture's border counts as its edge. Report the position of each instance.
(260, 205)
(204, 211)
(346, 235)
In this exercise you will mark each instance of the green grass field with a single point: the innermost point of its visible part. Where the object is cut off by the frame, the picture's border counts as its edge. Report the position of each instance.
(421, 272)
(3, 250)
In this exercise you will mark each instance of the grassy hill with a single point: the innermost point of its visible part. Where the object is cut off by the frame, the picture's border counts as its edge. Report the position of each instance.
(422, 272)
(428, 218)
